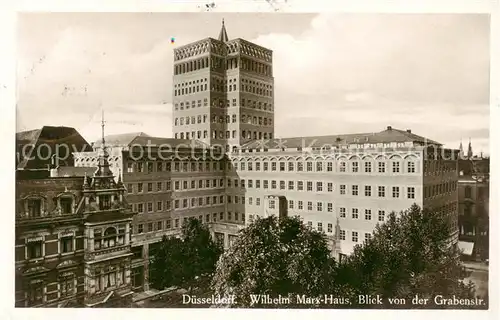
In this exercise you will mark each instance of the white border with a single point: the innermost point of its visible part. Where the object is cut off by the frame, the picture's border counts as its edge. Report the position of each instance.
(7, 129)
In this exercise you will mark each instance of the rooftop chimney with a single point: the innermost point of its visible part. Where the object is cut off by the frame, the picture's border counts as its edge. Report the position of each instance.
(408, 130)
(389, 128)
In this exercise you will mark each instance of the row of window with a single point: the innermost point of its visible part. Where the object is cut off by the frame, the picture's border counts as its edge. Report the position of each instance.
(178, 185)
(442, 188)
(354, 236)
(218, 102)
(178, 166)
(221, 119)
(327, 166)
(185, 203)
(177, 223)
(36, 249)
(381, 191)
(198, 64)
(219, 134)
(36, 289)
(368, 214)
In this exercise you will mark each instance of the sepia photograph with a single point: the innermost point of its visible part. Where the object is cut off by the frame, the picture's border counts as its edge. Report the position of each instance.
(252, 160)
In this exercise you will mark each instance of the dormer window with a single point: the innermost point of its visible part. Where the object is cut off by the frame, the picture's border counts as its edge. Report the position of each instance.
(34, 207)
(66, 205)
(104, 202)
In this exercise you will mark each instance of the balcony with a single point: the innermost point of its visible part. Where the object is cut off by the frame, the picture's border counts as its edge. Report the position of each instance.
(106, 253)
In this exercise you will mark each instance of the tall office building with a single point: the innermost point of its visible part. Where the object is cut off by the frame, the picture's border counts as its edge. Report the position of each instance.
(223, 91)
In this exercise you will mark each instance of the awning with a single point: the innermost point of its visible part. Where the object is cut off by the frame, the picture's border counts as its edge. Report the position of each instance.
(466, 247)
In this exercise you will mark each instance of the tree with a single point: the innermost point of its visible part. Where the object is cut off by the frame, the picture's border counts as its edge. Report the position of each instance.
(274, 256)
(183, 261)
(408, 255)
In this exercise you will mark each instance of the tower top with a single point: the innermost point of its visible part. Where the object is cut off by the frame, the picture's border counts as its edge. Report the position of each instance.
(223, 33)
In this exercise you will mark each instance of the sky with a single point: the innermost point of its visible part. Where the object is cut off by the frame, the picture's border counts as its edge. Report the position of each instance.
(333, 73)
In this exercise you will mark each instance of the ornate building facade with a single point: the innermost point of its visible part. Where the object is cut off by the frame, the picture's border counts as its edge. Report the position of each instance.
(72, 238)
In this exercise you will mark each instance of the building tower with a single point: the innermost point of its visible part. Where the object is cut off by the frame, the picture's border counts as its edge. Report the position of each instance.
(107, 220)
(461, 151)
(223, 91)
(469, 150)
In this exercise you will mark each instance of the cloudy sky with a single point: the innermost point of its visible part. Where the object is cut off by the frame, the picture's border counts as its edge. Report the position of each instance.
(334, 73)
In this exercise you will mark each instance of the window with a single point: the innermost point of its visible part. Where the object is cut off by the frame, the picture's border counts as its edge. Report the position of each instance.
(342, 234)
(320, 226)
(329, 166)
(342, 212)
(300, 166)
(140, 207)
(368, 191)
(319, 206)
(395, 166)
(330, 187)
(290, 204)
(301, 205)
(319, 166)
(342, 166)
(266, 184)
(282, 185)
(159, 225)
(130, 188)
(354, 236)
(330, 228)
(257, 201)
(34, 207)
(411, 167)
(368, 166)
(411, 192)
(140, 228)
(355, 213)
(273, 184)
(34, 249)
(309, 205)
(368, 237)
(319, 186)
(282, 166)
(354, 190)
(395, 192)
(273, 166)
(381, 191)
(381, 215)
(139, 187)
(342, 189)
(66, 244)
(381, 167)
(150, 207)
(159, 206)
(300, 185)
(368, 214)
(150, 187)
(468, 192)
(290, 166)
(290, 185)
(67, 285)
(309, 166)
(355, 166)
(266, 166)
(159, 186)
(35, 293)
(150, 227)
(66, 205)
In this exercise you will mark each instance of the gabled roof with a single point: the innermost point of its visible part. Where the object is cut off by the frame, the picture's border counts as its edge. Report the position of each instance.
(120, 140)
(386, 136)
(31, 154)
(166, 142)
(74, 171)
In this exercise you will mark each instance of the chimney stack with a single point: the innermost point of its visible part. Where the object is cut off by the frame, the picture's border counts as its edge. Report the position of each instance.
(408, 130)
(389, 128)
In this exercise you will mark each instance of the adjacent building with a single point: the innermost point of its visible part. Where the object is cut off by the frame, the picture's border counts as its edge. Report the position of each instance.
(72, 243)
(473, 193)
